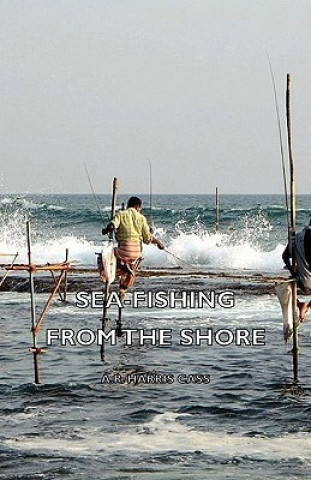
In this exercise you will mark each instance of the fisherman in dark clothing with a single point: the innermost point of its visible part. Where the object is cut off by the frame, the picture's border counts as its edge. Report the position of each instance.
(303, 272)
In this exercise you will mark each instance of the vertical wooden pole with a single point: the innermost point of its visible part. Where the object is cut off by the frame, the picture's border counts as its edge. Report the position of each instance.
(216, 210)
(115, 188)
(292, 230)
(32, 306)
(65, 278)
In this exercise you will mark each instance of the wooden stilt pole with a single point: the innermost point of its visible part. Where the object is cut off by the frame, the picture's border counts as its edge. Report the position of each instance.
(58, 291)
(119, 320)
(216, 210)
(292, 231)
(8, 271)
(115, 188)
(32, 306)
(62, 296)
(49, 301)
(32, 269)
(66, 278)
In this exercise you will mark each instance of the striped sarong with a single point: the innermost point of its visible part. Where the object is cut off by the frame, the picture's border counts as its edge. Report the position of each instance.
(128, 251)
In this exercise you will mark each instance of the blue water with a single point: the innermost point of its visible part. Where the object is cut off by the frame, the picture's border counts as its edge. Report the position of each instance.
(246, 423)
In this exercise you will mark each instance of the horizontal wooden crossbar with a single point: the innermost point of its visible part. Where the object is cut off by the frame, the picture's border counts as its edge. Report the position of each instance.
(37, 268)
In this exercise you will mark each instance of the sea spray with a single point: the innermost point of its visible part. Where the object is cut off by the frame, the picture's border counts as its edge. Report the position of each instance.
(250, 237)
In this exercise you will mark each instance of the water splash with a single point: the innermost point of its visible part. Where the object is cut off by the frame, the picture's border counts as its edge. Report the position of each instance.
(247, 243)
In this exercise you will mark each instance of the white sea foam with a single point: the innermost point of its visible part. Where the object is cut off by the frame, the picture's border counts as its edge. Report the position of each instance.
(27, 204)
(247, 247)
(216, 251)
(53, 250)
(208, 250)
(166, 433)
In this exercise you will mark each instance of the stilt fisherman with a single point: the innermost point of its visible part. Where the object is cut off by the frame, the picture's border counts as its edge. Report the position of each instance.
(303, 271)
(131, 230)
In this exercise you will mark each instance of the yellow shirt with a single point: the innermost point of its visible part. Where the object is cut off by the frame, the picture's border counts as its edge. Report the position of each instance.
(131, 225)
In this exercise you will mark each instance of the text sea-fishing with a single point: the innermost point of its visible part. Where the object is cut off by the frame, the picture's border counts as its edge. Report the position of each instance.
(159, 299)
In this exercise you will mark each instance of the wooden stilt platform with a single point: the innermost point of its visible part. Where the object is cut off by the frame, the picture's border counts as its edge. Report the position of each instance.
(63, 268)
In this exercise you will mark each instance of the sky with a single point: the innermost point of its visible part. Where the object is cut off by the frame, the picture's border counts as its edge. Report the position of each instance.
(184, 83)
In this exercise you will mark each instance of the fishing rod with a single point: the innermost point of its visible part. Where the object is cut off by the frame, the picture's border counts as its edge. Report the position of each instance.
(150, 197)
(93, 192)
(281, 142)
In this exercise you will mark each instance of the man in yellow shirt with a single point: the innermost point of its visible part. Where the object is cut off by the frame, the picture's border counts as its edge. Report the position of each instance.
(131, 229)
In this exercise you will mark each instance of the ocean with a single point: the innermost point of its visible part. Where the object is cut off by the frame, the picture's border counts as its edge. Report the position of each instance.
(164, 410)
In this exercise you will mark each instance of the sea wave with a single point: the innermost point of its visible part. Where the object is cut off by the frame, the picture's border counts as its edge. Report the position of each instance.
(166, 433)
(248, 242)
(213, 251)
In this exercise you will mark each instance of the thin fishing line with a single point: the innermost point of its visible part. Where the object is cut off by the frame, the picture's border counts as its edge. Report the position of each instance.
(94, 195)
(177, 258)
(281, 140)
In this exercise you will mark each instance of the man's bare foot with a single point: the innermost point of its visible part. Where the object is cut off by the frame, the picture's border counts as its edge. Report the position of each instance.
(122, 293)
(303, 308)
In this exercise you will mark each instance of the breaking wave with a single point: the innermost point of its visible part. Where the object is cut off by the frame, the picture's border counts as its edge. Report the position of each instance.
(251, 239)
(166, 433)
(219, 251)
